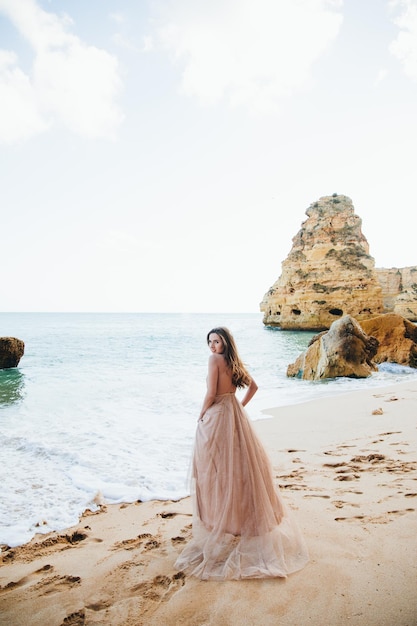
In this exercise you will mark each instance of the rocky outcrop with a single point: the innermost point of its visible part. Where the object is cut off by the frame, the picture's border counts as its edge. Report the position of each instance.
(344, 350)
(328, 273)
(399, 290)
(397, 338)
(11, 351)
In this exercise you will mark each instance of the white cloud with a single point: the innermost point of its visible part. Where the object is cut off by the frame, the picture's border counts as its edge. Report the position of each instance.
(70, 83)
(250, 53)
(19, 115)
(404, 46)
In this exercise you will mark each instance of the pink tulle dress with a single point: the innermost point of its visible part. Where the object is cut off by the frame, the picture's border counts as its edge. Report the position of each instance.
(241, 527)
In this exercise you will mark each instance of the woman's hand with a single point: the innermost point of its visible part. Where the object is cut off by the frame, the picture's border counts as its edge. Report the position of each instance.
(252, 389)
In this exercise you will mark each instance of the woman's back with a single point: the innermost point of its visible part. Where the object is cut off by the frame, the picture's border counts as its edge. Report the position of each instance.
(224, 379)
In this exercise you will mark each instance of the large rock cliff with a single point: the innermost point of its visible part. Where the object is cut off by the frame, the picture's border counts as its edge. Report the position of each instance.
(328, 272)
(399, 289)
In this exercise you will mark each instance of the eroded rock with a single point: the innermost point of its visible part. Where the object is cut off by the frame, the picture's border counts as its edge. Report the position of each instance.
(328, 273)
(399, 289)
(397, 339)
(344, 350)
(11, 351)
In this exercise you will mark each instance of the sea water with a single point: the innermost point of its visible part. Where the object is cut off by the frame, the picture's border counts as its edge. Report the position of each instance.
(106, 405)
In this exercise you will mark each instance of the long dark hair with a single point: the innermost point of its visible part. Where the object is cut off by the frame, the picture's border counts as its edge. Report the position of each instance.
(240, 375)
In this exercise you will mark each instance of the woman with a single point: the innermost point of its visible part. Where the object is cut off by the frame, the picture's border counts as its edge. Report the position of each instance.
(241, 528)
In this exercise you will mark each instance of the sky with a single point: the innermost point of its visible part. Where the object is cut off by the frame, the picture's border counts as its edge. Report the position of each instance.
(159, 155)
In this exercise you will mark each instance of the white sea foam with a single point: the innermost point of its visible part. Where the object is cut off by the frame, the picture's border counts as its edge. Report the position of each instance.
(107, 404)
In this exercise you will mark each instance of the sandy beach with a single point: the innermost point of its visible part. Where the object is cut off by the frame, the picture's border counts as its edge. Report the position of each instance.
(346, 466)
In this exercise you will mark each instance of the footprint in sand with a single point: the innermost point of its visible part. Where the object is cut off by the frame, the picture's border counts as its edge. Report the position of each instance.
(178, 539)
(296, 473)
(370, 458)
(167, 514)
(145, 541)
(389, 516)
(346, 477)
(46, 586)
(186, 532)
(392, 432)
(338, 452)
(171, 514)
(75, 619)
(27, 579)
(57, 584)
(161, 588)
(41, 548)
(293, 486)
(316, 495)
(374, 463)
(98, 606)
(340, 504)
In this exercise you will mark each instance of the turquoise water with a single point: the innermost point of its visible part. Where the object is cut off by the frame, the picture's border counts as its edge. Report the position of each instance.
(107, 403)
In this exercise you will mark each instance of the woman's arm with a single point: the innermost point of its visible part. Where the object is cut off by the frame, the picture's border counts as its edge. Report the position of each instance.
(212, 378)
(252, 389)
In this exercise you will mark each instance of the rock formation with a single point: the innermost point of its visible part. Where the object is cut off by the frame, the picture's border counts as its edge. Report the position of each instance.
(344, 350)
(328, 272)
(11, 351)
(399, 289)
(397, 338)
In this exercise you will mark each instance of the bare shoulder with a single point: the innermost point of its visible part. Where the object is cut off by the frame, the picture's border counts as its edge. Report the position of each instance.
(216, 359)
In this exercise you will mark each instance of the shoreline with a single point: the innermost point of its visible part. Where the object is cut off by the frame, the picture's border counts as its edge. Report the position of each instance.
(347, 467)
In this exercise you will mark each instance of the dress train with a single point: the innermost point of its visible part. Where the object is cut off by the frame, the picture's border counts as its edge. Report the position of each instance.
(241, 526)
